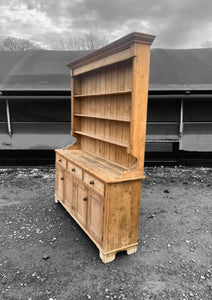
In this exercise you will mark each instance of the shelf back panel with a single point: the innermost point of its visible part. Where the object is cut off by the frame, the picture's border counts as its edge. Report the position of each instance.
(114, 78)
(112, 152)
(105, 92)
(113, 106)
(115, 130)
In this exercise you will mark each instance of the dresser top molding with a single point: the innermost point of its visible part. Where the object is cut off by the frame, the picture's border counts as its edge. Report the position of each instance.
(112, 48)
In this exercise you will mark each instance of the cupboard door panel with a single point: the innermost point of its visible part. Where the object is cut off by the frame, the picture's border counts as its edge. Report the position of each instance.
(81, 202)
(69, 200)
(59, 183)
(96, 216)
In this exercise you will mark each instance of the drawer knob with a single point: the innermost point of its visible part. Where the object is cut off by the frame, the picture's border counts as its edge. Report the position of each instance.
(62, 178)
(73, 170)
(91, 182)
(85, 199)
(60, 160)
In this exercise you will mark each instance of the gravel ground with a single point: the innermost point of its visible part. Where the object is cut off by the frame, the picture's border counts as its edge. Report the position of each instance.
(45, 255)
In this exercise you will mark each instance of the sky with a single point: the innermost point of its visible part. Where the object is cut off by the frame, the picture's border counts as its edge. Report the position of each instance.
(176, 24)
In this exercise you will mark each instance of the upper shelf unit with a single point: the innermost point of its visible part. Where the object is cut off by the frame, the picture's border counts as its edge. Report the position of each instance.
(109, 100)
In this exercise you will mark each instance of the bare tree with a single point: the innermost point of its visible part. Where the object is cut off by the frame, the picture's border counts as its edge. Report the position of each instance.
(93, 41)
(206, 44)
(71, 43)
(16, 44)
(86, 41)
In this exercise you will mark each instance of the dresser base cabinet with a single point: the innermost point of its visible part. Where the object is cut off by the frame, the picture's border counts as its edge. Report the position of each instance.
(111, 221)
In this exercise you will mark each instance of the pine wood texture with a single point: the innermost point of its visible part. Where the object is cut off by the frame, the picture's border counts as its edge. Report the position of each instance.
(98, 179)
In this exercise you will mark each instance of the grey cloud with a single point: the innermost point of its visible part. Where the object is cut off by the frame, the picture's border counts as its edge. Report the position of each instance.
(176, 23)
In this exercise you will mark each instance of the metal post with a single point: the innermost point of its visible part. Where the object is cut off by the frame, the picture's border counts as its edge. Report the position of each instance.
(181, 125)
(8, 118)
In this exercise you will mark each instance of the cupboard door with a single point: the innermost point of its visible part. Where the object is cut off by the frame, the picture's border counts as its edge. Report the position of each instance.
(69, 199)
(96, 216)
(81, 202)
(59, 182)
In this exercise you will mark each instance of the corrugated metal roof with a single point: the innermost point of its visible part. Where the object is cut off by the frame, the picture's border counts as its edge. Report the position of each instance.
(176, 69)
(170, 69)
(36, 70)
(8, 59)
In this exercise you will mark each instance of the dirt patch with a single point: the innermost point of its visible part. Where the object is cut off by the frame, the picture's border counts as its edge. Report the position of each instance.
(45, 254)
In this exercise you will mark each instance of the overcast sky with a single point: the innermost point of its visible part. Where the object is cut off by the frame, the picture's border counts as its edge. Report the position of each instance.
(177, 24)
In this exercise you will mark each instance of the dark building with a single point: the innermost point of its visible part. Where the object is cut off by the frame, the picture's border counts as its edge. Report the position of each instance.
(35, 105)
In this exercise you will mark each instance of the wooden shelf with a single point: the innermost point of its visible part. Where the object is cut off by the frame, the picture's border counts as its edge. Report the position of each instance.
(104, 94)
(103, 117)
(104, 139)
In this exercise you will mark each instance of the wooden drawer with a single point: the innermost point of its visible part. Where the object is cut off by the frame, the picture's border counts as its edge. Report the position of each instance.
(75, 170)
(61, 160)
(94, 183)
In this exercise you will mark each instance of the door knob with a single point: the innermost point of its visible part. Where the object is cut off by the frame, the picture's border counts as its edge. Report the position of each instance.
(85, 199)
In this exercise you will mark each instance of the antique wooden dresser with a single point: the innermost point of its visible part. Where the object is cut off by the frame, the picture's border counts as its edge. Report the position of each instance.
(98, 178)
